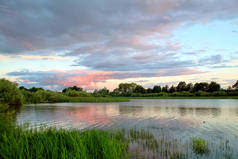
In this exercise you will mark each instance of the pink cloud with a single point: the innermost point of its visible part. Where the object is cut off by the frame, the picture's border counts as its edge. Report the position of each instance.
(90, 79)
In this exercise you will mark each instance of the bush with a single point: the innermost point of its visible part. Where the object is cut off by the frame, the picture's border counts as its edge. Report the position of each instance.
(201, 93)
(182, 94)
(10, 94)
(73, 93)
(219, 93)
(232, 93)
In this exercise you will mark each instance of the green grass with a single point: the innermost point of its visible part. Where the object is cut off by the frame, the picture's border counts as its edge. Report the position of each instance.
(200, 146)
(25, 143)
(61, 144)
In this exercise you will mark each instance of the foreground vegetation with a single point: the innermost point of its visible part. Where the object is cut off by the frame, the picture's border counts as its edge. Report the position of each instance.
(52, 143)
(22, 142)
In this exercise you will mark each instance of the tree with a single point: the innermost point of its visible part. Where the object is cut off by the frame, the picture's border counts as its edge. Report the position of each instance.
(203, 86)
(127, 87)
(165, 89)
(156, 89)
(75, 88)
(101, 92)
(139, 89)
(213, 87)
(149, 90)
(172, 89)
(189, 87)
(181, 86)
(10, 94)
(235, 86)
(34, 89)
(23, 88)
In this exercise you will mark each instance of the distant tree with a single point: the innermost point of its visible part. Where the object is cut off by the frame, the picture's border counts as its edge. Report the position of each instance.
(165, 89)
(139, 89)
(181, 86)
(229, 89)
(115, 92)
(127, 87)
(75, 88)
(101, 92)
(9, 93)
(23, 88)
(203, 86)
(149, 90)
(34, 89)
(156, 89)
(172, 89)
(213, 87)
(235, 86)
(189, 87)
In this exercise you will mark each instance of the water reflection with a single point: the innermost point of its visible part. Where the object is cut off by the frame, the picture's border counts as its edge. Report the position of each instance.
(183, 118)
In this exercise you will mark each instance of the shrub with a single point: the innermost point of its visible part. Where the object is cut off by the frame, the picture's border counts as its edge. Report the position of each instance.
(219, 93)
(73, 93)
(201, 93)
(182, 94)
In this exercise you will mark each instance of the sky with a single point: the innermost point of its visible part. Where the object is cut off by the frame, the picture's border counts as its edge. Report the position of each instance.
(101, 43)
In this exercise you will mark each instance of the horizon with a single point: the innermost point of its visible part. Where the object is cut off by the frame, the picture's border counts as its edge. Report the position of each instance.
(96, 44)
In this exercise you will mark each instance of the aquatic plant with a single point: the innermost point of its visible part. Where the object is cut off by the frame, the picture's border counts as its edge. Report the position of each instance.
(200, 146)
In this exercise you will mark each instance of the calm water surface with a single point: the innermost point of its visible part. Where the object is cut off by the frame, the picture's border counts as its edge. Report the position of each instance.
(215, 119)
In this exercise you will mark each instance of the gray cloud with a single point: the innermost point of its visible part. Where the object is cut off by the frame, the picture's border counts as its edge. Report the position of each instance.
(108, 35)
(31, 25)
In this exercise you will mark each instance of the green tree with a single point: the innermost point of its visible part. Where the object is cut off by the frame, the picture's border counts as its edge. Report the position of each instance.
(189, 87)
(33, 89)
(172, 89)
(75, 88)
(127, 87)
(203, 86)
(213, 87)
(139, 89)
(149, 90)
(156, 89)
(10, 94)
(101, 92)
(181, 86)
(165, 89)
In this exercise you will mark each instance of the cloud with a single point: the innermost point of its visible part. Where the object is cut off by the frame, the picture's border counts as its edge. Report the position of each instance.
(211, 60)
(56, 79)
(112, 39)
(29, 25)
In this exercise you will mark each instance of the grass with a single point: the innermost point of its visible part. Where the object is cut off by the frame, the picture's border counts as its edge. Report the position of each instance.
(200, 146)
(22, 142)
(52, 143)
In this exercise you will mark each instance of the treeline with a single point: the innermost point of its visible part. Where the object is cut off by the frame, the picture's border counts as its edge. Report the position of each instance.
(11, 95)
(39, 95)
(182, 89)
